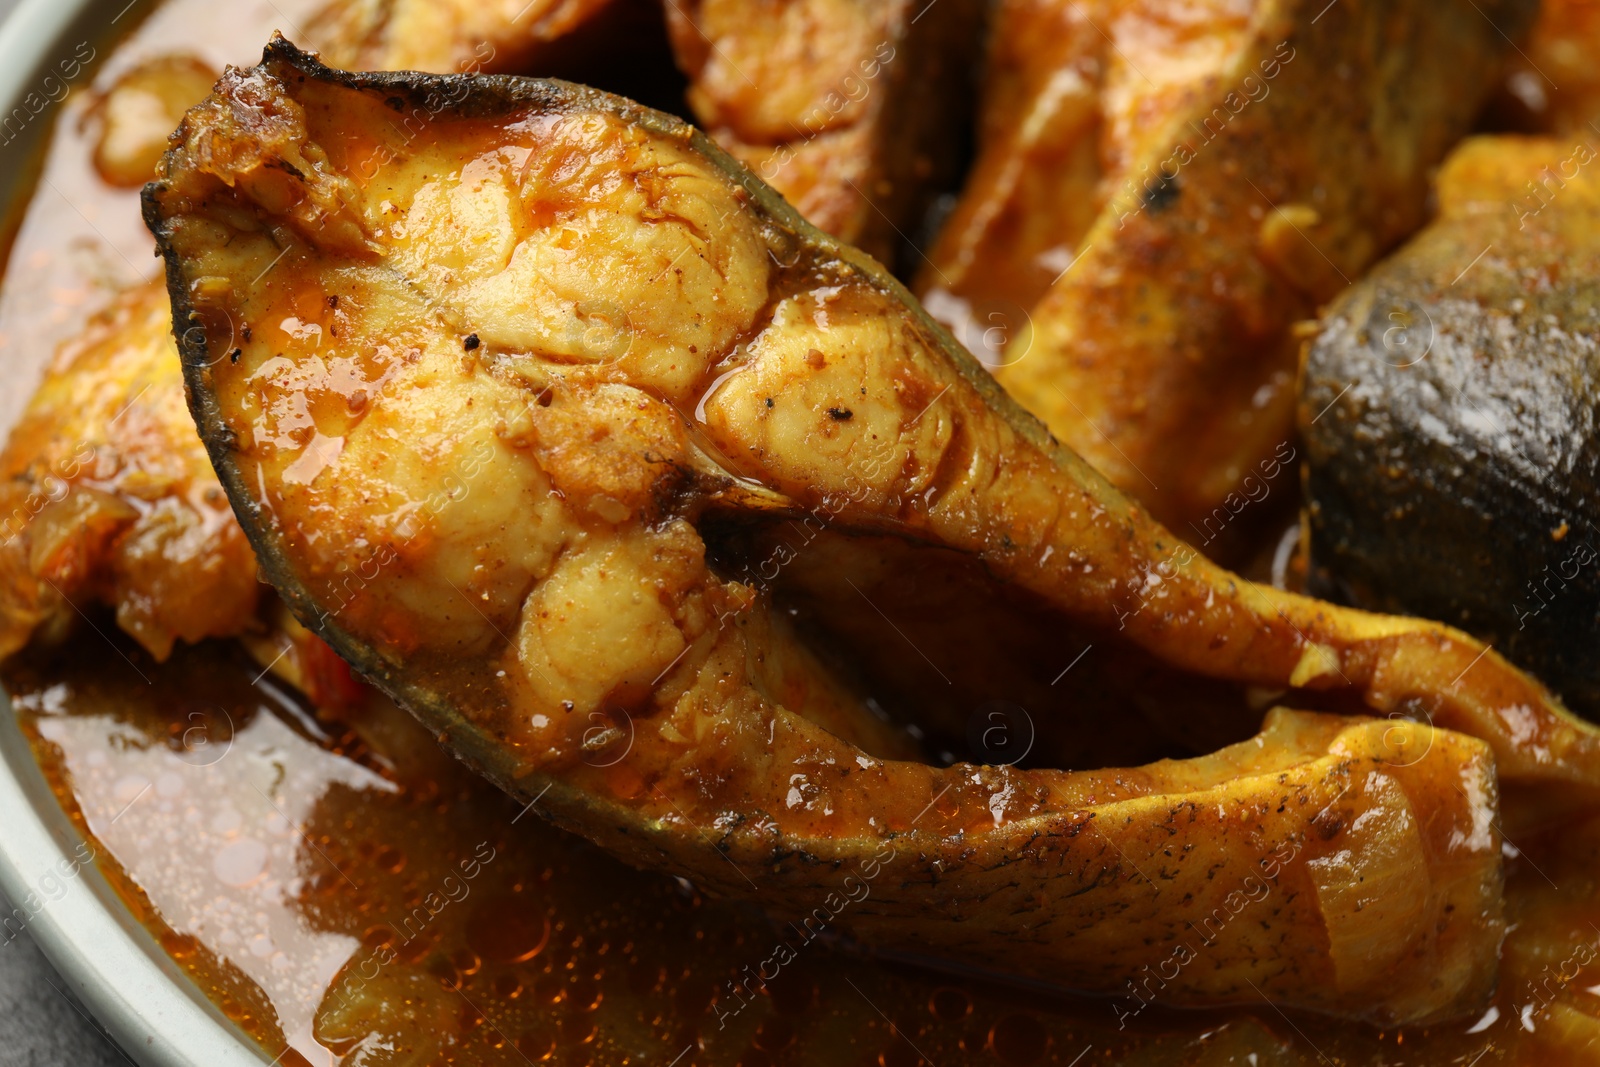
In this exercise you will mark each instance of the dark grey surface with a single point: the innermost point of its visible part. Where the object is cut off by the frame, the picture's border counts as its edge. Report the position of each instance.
(40, 1024)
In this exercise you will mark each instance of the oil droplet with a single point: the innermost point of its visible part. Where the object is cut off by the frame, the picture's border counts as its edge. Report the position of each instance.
(577, 1030)
(645, 978)
(550, 989)
(1019, 1040)
(507, 930)
(949, 1005)
(129, 787)
(538, 1047)
(585, 995)
(240, 863)
(442, 969)
(179, 946)
(775, 1034)
(226, 820)
(413, 949)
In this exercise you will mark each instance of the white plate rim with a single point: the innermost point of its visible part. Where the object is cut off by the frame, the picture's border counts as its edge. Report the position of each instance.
(110, 962)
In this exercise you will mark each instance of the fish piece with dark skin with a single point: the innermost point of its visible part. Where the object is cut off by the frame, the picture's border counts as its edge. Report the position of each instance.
(448, 36)
(509, 386)
(621, 44)
(1452, 446)
(108, 497)
(854, 110)
(1163, 190)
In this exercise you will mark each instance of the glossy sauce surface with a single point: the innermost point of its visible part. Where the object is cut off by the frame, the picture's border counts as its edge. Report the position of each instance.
(81, 240)
(344, 890)
(349, 895)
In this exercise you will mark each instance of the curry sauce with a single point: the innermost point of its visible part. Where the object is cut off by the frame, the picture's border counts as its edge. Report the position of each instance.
(348, 894)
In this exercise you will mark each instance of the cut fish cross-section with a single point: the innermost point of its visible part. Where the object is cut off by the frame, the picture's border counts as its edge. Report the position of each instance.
(512, 406)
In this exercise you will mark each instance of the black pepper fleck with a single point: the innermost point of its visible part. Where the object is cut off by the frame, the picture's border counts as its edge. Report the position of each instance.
(840, 414)
(471, 343)
(1160, 196)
